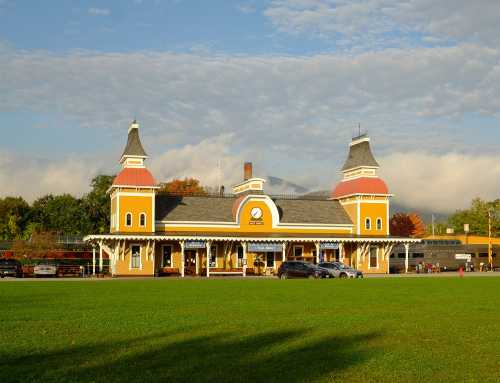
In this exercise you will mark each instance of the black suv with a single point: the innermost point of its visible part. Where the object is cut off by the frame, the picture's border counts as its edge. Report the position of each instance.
(10, 267)
(300, 269)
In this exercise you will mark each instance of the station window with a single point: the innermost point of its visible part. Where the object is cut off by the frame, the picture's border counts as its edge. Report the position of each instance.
(166, 260)
(373, 257)
(270, 260)
(298, 251)
(142, 220)
(379, 223)
(240, 256)
(135, 262)
(128, 219)
(368, 224)
(418, 255)
(213, 256)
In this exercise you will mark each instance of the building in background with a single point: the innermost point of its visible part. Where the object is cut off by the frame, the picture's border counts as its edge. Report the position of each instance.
(247, 231)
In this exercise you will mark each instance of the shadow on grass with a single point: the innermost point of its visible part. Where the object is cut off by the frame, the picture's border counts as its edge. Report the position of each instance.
(290, 356)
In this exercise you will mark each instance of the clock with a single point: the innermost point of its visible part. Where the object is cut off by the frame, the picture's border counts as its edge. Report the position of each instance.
(256, 213)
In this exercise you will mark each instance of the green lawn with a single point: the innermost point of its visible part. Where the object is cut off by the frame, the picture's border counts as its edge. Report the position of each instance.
(398, 329)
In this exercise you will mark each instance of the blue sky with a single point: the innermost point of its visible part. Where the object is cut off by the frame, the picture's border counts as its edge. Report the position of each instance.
(283, 83)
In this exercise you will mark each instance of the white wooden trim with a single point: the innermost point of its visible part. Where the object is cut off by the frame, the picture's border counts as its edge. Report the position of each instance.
(333, 238)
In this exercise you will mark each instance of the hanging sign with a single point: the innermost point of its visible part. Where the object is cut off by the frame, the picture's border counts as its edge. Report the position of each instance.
(258, 247)
(194, 245)
(328, 245)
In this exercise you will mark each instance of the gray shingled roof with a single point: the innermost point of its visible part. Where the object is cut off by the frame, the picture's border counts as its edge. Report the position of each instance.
(134, 146)
(219, 209)
(360, 155)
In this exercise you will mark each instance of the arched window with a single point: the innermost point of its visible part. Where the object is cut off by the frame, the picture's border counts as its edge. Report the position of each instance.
(368, 224)
(128, 219)
(142, 219)
(379, 223)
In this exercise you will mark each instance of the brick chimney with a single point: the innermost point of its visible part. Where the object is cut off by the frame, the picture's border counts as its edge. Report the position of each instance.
(247, 171)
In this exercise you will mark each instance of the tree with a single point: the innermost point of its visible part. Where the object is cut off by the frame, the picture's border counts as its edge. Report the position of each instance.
(63, 214)
(476, 216)
(97, 203)
(14, 217)
(39, 245)
(187, 186)
(407, 225)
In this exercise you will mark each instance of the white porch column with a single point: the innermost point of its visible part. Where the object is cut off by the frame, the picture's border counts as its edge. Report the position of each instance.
(407, 249)
(153, 253)
(93, 260)
(209, 245)
(341, 252)
(182, 259)
(100, 257)
(283, 252)
(244, 246)
(317, 252)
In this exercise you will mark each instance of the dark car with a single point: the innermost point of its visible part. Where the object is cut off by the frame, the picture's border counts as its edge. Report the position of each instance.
(299, 269)
(10, 267)
(339, 270)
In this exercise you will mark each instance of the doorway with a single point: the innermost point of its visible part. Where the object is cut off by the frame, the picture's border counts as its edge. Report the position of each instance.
(190, 262)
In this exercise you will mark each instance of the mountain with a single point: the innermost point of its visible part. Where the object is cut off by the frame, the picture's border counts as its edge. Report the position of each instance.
(276, 185)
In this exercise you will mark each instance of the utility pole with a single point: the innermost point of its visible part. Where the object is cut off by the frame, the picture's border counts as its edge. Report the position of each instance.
(490, 247)
(432, 225)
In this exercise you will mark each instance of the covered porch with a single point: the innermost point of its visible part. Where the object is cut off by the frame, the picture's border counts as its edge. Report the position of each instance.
(240, 255)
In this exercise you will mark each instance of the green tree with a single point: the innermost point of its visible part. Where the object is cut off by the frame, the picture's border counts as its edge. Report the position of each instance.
(97, 203)
(14, 217)
(477, 217)
(62, 214)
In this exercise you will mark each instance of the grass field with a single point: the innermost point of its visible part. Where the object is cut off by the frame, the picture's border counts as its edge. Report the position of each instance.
(398, 329)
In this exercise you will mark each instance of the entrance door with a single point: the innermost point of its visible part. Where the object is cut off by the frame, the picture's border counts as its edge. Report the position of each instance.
(190, 262)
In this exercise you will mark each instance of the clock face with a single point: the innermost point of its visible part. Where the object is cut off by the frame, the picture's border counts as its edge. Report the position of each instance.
(256, 213)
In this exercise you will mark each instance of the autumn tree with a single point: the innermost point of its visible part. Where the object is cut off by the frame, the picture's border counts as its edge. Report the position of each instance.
(187, 186)
(407, 225)
(38, 246)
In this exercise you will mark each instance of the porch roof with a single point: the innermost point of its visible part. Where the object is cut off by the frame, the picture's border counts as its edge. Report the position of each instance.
(249, 237)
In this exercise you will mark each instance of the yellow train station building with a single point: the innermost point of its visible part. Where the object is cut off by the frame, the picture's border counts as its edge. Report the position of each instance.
(247, 232)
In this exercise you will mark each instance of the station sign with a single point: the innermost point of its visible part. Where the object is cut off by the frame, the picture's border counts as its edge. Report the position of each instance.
(328, 246)
(194, 245)
(262, 247)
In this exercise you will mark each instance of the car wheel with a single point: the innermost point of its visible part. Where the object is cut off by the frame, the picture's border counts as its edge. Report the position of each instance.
(343, 275)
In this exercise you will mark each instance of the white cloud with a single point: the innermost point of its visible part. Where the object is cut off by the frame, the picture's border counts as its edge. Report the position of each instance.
(99, 11)
(293, 116)
(208, 161)
(441, 182)
(32, 178)
(372, 24)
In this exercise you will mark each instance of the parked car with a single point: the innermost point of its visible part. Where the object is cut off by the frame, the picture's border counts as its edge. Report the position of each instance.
(339, 270)
(10, 267)
(300, 269)
(45, 269)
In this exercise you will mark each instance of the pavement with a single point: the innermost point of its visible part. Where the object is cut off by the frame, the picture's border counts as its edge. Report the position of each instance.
(409, 275)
